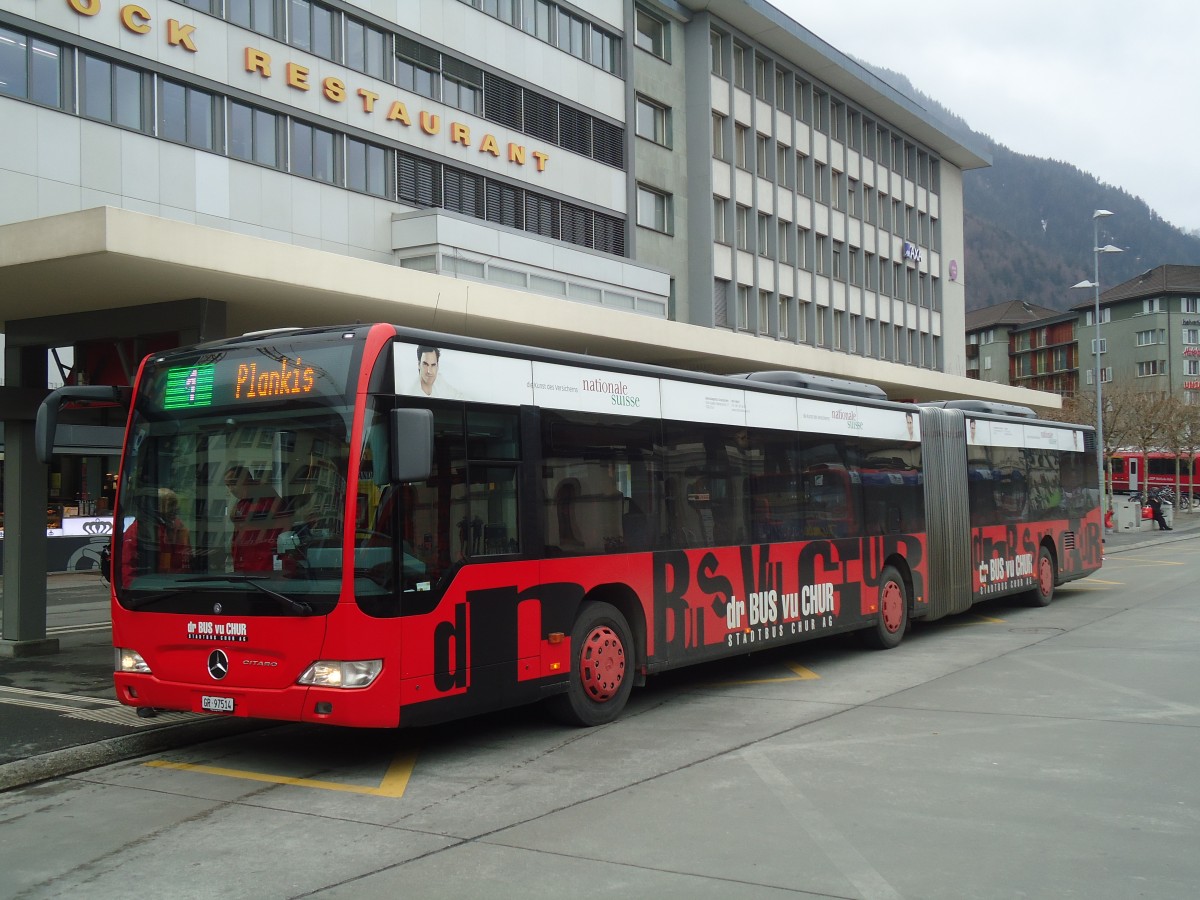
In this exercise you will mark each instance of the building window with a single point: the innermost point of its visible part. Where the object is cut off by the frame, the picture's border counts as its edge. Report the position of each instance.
(760, 77)
(652, 121)
(802, 248)
(804, 100)
(720, 227)
(311, 28)
(835, 188)
(718, 137)
(411, 73)
(1191, 335)
(113, 93)
(650, 33)
(253, 134)
(819, 326)
(819, 253)
(653, 209)
(783, 154)
(720, 303)
(819, 191)
(739, 65)
(186, 115)
(784, 308)
(1189, 304)
(1151, 336)
(743, 310)
(256, 15)
(312, 152)
(764, 312)
(716, 43)
(783, 234)
(30, 68)
(761, 142)
(366, 169)
(804, 174)
(1151, 305)
(1153, 367)
(741, 146)
(1105, 316)
(742, 227)
(782, 79)
(836, 271)
(1191, 368)
(821, 111)
(459, 91)
(364, 47)
(764, 226)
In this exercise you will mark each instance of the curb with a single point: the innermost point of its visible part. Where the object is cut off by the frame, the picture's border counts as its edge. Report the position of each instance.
(1155, 542)
(72, 760)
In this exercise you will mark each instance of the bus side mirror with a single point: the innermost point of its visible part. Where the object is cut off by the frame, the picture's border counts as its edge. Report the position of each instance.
(46, 423)
(412, 444)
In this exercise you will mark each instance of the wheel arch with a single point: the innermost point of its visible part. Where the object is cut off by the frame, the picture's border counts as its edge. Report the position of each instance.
(900, 564)
(625, 600)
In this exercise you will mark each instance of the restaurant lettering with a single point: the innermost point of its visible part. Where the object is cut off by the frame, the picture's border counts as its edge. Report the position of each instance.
(137, 20)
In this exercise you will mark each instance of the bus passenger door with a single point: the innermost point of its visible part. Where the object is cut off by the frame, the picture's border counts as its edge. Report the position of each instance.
(1133, 473)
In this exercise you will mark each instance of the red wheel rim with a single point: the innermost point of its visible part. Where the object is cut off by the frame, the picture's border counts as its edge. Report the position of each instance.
(602, 664)
(891, 603)
(1045, 576)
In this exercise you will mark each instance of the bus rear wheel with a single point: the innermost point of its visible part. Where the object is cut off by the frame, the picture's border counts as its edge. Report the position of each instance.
(1042, 591)
(888, 630)
(601, 668)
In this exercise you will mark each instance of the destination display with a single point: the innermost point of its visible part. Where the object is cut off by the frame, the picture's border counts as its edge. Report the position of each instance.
(258, 375)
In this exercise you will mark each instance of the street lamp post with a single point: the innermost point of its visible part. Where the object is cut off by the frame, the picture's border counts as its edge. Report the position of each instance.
(1095, 285)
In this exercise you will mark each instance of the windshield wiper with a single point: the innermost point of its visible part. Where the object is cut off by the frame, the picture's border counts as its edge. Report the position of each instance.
(252, 580)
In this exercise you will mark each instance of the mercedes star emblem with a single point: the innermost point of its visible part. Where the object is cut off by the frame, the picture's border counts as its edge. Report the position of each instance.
(218, 664)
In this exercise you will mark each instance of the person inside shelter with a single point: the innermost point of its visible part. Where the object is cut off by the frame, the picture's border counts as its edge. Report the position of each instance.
(259, 516)
(157, 541)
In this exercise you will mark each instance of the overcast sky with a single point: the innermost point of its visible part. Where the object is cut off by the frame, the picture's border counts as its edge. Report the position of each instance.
(1110, 87)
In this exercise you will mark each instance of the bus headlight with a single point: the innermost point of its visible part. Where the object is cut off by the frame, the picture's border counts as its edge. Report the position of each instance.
(129, 661)
(351, 673)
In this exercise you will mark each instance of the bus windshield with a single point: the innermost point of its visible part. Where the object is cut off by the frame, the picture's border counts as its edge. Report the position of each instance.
(228, 499)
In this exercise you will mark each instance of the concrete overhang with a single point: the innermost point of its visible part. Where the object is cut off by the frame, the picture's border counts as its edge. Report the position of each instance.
(107, 258)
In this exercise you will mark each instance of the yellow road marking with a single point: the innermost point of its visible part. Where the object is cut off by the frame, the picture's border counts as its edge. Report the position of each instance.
(1157, 562)
(802, 674)
(1100, 581)
(970, 621)
(394, 782)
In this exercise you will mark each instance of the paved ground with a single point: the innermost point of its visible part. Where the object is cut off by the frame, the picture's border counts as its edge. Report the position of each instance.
(58, 714)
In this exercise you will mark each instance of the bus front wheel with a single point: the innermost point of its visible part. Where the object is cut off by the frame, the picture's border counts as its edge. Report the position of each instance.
(888, 630)
(601, 668)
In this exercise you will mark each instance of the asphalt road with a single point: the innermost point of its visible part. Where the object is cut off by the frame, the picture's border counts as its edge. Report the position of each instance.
(1011, 752)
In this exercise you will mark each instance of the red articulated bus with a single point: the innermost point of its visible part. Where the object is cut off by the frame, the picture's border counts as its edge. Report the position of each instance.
(375, 526)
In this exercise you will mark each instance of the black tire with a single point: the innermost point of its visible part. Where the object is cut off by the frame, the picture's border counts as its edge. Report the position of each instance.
(602, 662)
(1043, 572)
(888, 630)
